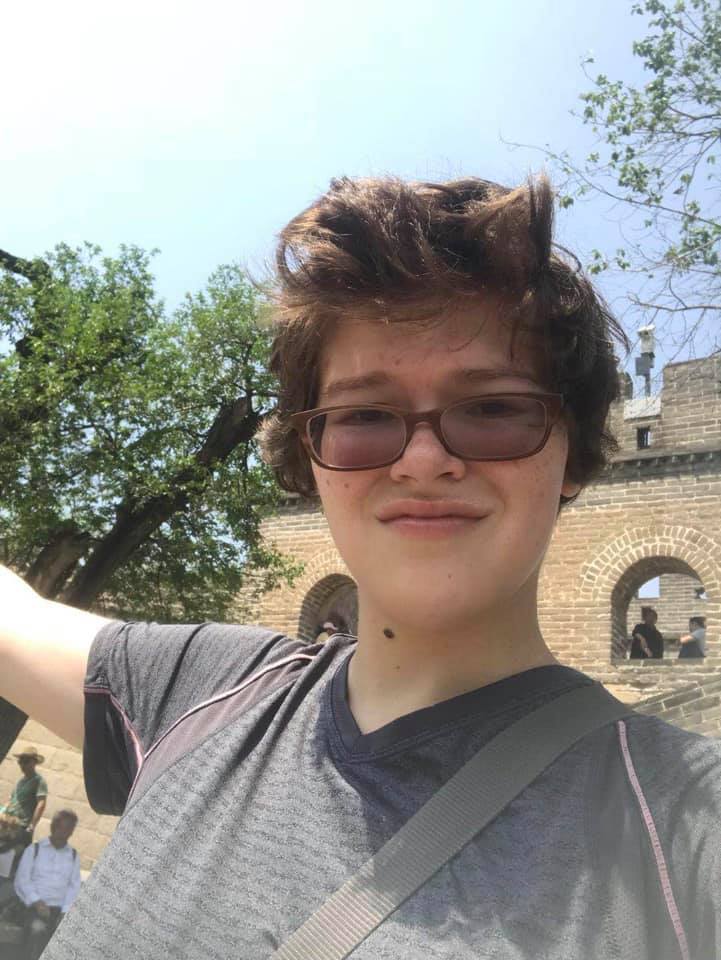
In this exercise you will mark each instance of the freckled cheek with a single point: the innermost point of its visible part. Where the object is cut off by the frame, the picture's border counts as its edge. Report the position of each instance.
(528, 490)
(343, 494)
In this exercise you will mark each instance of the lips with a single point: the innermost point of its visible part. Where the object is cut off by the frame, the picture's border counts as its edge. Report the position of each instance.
(428, 510)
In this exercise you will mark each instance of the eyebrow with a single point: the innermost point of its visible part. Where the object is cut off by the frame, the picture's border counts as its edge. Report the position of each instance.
(380, 378)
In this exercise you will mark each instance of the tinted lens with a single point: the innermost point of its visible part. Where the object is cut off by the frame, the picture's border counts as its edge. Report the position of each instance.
(495, 427)
(356, 437)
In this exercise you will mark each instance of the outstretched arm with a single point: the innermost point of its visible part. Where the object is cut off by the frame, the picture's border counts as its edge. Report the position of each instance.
(44, 651)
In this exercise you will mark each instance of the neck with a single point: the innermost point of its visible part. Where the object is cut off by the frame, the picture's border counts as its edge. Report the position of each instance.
(418, 666)
(58, 844)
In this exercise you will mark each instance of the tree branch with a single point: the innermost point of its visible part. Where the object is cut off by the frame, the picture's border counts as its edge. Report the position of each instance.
(58, 558)
(235, 423)
(32, 270)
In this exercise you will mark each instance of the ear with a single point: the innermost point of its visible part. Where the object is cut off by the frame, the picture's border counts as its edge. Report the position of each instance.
(570, 488)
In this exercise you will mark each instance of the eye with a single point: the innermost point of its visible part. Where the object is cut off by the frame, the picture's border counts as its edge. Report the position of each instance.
(360, 417)
(493, 407)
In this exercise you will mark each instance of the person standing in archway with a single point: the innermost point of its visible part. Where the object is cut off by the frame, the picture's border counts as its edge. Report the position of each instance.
(647, 641)
(693, 644)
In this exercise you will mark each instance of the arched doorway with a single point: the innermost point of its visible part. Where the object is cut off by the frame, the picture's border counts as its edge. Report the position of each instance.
(679, 595)
(334, 598)
(614, 573)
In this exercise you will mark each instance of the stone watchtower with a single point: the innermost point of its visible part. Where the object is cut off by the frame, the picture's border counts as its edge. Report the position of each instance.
(655, 513)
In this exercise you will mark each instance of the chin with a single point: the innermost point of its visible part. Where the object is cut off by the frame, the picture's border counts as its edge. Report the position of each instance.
(432, 603)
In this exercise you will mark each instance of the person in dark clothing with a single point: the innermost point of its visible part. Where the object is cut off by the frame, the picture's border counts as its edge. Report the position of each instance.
(647, 641)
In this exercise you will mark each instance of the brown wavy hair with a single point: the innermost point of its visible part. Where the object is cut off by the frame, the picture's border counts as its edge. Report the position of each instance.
(387, 249)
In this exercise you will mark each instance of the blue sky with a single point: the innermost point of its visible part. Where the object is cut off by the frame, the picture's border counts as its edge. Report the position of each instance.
(201, 129)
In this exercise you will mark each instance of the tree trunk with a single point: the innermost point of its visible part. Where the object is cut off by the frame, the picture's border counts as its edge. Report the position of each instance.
(57, 560)
(234, 424)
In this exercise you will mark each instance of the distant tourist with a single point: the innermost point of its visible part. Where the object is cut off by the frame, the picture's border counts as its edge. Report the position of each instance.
(47, 882)
(325, 631)
(334, 624)
(20, 816)
(646, 640)
(693, 644)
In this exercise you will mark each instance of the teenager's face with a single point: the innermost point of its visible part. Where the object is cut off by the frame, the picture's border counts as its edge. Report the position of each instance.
(411, 569)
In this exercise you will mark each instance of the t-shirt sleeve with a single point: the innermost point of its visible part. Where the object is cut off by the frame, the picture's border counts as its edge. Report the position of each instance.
(42, 789)
(142, 677)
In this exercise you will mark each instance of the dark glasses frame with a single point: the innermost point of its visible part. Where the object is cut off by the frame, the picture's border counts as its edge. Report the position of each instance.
(552, 405)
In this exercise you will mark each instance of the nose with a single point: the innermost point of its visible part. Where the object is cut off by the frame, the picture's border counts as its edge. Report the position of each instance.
(425, 458)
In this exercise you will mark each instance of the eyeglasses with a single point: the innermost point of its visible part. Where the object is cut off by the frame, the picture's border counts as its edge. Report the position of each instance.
(495, 426)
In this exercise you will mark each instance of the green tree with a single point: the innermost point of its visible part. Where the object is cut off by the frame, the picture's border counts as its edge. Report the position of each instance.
(657, 160)
(129, 477)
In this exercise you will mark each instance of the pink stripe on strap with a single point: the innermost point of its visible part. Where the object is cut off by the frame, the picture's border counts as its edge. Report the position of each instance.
(655, 844)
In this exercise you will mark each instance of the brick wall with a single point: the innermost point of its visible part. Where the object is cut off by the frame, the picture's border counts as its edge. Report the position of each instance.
(645, 518)
(299, 530)
(696, 708)
(689, 414)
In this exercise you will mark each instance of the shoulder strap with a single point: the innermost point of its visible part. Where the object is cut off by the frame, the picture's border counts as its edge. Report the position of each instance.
(36, 848)
(458, 811)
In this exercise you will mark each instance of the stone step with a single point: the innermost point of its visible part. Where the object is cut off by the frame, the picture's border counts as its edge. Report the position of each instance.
(683, 697)
(10, 933)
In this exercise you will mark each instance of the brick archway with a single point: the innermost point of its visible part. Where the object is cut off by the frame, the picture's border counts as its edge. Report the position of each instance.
(315, 606)
(627, 586)
(322, 574)
(609, 580)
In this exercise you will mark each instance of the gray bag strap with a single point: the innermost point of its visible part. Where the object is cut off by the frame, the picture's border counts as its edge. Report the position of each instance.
(458, 811)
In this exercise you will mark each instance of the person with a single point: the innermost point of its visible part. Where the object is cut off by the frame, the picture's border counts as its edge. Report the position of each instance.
(47, 882)
(20, 816)
(647, 641)
(325, 631)
(693, 644)
(444, 379)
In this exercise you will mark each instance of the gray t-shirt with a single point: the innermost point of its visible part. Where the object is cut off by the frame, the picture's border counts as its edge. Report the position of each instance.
(255, 796)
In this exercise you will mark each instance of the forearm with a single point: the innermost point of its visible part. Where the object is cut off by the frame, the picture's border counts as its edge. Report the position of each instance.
(37, 813)
(24, 887)
(44, 650)
(642, 643)
(72, 891)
